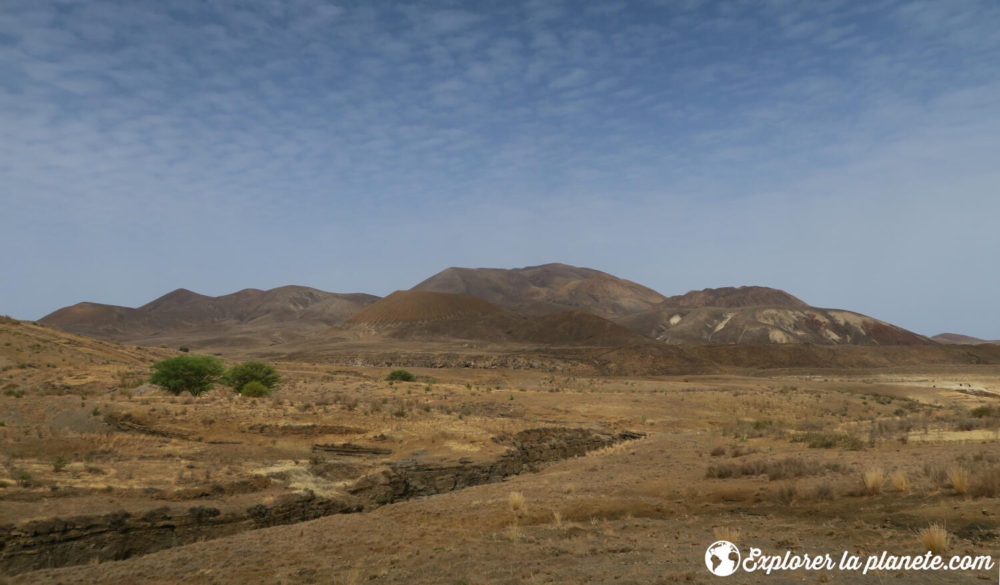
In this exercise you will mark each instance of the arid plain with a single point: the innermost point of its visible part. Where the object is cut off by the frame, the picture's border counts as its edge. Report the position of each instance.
(535, 445)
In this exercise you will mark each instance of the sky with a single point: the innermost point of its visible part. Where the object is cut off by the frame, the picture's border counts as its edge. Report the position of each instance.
(847, 152)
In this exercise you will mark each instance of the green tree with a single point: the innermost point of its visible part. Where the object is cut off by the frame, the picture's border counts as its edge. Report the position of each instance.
(240, 375)
(253, 389)
(191, 373)
(400, 376)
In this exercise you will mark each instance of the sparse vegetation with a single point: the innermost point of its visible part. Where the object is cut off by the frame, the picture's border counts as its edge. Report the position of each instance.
(781, 469)
(817, 440)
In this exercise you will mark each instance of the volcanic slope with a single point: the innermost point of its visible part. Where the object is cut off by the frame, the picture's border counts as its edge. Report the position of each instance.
(959, 339)
(547, 288)
(249, 316)
(424, 315)
(754, 315)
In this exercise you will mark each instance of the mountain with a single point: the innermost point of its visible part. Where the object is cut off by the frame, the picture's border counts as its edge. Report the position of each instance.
(418, 306)
(959, 339)
(244, 317)
(729, 296)
(767, 324)
(551, 304)
(548, 288)
(426, 315)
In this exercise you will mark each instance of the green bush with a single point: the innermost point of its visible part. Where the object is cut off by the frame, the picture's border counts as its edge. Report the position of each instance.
(190, 373)
(254, 389)
(400, 376)
(240, 375)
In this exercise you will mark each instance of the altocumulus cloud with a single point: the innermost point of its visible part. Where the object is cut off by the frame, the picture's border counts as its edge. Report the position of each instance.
(840, 150)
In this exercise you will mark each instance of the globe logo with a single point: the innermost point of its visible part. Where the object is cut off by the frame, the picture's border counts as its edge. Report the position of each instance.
(722, 558)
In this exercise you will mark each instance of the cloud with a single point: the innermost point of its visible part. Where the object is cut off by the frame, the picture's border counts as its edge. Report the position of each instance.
(188, 126)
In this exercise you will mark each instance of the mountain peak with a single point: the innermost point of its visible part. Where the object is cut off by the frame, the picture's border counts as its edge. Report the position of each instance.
(733, 297)
(547, 288)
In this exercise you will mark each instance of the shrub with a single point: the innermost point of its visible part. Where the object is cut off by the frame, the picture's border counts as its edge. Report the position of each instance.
(986, 483)
(400, 376)
(240, 375)
(727, 533)
(899, 481)
(824, 492)
(191, 373)
(934, 538)
(984, 412)
(958, 477)
(830, 440)
(873, 479)
(255, 389)
(516, 502)
(59, 464)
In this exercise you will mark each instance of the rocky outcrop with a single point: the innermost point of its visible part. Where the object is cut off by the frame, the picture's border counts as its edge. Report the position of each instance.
(61, 542)
(529, 449)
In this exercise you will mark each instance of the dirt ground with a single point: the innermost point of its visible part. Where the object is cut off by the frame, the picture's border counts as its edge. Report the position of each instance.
(777, 462)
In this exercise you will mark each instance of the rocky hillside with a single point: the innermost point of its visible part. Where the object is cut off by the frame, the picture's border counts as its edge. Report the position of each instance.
(247, 316)
(547, 288)
(767, 324)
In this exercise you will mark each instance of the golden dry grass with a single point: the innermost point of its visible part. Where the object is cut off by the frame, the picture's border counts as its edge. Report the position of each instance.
(934, 538)
(958, 477)
(516, 502)
(730, 533)
(900, 482)
(873, 479)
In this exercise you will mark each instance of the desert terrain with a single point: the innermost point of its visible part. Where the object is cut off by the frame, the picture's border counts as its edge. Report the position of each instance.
(544, 439)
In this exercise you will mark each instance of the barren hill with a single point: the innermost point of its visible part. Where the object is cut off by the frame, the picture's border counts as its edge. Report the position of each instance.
(959, 339)
(546, 289)
(241, 317)
(754, 325)
(729, 296)
(414, 306)
(424, 315)
(48, 360)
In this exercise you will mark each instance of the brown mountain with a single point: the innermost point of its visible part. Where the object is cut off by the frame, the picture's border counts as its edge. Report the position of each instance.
(547, 288)
(767, 324)
(425, 315)
(959, 339)
(729, 296)
(547, 304)
(418, 306)
(249, 316)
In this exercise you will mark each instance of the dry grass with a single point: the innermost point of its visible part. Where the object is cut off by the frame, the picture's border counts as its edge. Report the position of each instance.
(873, 479)
(727, 533)
(790, 467)
(899, 481)
(516, 502)
(824, 492)
(958, 477)
(934, 538)
(986, 483)
(514, 532)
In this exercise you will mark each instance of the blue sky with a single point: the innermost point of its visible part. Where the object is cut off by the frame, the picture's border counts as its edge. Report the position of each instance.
(848, 152)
